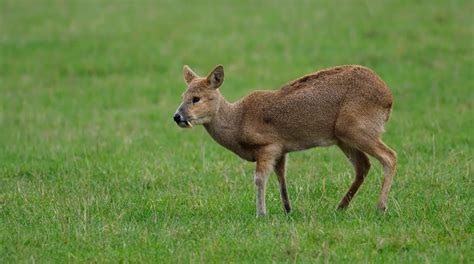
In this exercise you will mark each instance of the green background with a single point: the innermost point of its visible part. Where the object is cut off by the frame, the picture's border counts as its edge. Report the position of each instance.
(93, 168)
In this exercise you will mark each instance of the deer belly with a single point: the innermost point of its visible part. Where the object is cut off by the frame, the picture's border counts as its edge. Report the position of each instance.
(307, 144)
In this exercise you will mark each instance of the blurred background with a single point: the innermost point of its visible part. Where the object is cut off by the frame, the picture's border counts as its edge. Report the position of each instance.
(92, 166)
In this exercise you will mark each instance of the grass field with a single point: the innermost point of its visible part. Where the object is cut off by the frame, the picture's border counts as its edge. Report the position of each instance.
(93, 168)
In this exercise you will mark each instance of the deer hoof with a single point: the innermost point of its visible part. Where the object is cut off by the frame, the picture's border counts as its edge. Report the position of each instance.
(382, 207)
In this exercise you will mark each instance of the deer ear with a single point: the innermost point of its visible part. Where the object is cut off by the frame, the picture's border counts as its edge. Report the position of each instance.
(188, 74)
(216, 77)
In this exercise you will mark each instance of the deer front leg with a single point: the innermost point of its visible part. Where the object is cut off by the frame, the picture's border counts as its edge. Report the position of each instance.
(264, 167)
(280, 170)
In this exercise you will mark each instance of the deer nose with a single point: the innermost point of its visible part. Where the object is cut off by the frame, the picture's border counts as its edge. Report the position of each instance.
(177, 118)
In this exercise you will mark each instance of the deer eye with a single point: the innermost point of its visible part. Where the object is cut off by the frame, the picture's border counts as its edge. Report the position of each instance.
(196, 99)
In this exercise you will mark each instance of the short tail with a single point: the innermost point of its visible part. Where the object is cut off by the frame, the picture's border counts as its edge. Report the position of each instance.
(388, 112)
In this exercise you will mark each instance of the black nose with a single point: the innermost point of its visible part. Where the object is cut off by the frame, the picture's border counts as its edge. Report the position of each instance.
(177, 118)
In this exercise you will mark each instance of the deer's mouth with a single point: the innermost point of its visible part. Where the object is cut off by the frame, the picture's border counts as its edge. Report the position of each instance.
(185, 124)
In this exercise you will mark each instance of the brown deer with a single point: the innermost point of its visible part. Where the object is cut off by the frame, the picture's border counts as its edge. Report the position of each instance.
(345, 106)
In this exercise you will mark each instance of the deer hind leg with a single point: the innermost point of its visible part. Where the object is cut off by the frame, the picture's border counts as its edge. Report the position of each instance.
(386, 156)
(363, 133)
(280, 170)
(388, 159)
(361, 164)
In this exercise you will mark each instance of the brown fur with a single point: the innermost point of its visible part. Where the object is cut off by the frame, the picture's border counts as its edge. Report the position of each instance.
(345, 106)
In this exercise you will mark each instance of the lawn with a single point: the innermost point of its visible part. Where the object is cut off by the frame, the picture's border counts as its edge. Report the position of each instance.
(93, 168)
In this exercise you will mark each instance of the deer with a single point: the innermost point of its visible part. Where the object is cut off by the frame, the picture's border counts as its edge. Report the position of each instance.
(346, 106)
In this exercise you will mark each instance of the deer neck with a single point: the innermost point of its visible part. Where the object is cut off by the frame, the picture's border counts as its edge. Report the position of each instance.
(224, 126)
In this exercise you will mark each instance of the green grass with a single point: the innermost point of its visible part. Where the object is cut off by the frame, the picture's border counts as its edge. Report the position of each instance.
(93, 169)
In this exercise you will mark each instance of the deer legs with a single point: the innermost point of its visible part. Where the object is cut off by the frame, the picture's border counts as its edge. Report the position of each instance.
(280, 170)
(355, 150)
(270, 159)
(264, 167)
(361, 165)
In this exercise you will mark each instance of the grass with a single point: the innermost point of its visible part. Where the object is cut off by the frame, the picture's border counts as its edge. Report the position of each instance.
(93, 169)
